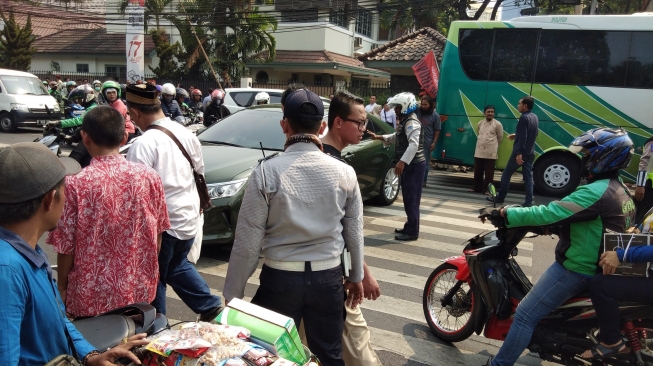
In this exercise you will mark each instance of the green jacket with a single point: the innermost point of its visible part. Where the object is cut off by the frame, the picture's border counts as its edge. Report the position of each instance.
(77, 121)
(584, 216)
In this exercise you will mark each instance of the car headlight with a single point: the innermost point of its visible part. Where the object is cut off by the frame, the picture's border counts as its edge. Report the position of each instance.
(56, 108)
(19, 107)
(226, 189)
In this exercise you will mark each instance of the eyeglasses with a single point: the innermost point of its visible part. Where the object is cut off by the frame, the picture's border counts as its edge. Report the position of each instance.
(362, 125)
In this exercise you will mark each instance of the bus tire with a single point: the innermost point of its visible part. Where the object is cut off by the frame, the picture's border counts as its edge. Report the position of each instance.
(556, 175)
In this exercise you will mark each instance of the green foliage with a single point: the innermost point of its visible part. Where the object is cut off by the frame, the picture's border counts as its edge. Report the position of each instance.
(16, 48)
(167, 53)
(406, 16)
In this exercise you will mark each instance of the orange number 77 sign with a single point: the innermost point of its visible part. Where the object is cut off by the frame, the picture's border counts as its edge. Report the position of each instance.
(133, 44)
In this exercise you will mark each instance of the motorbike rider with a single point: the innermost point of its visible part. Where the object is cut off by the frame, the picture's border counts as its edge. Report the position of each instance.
(97, 85)
(111, 93)
(70, 86)
(262, 98)
(169, 105)
(583, 217)
(54, 86)
(216, 110)
(196, 104)
(181, 97)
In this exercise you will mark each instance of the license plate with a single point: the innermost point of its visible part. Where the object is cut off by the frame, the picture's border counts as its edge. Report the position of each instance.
(41, 122)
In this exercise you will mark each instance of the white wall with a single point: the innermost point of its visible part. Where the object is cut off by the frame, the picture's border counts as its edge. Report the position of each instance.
(41, 62)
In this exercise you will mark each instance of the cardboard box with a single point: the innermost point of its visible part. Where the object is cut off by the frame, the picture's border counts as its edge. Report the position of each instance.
(613, 241)
(273, 331)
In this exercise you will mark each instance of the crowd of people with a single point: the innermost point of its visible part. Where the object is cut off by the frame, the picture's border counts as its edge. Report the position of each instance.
(123, 228)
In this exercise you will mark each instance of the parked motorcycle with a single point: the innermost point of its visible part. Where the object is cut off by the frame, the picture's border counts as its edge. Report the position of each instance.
(480, 290)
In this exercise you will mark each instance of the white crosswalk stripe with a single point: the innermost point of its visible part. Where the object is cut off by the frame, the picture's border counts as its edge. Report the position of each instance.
(448, 219)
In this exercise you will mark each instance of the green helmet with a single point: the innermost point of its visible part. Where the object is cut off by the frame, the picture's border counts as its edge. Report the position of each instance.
(110, 84)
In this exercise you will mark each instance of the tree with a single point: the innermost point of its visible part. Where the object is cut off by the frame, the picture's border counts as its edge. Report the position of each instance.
(167, 53)
(16, 48)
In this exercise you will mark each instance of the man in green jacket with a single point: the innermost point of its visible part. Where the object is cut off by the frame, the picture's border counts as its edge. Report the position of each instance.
(86, 98)
(583, 217)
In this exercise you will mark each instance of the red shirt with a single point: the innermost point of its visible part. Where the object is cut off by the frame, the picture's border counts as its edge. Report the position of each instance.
(122, 109)
(113, 213)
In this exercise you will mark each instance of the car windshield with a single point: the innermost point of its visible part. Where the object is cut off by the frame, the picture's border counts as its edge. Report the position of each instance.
(248, 128)
(23, 85)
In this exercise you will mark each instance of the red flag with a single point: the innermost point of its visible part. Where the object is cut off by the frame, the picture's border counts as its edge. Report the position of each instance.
(427, 73)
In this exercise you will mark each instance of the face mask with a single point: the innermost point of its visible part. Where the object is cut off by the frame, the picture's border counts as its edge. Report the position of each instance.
(167, 98)
(217, 101)
(97, 88)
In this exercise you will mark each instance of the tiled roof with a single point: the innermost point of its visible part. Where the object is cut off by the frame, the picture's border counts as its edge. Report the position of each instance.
(94, 41)
(317, 57)
(411, 47)
(47, 20)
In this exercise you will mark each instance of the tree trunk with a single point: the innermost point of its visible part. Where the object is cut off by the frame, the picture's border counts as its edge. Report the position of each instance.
(462, 10)
(480, 10)
(496, 8)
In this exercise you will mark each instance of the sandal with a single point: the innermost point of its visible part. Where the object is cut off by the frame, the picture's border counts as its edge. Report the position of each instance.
(473, 191)
(601, 351)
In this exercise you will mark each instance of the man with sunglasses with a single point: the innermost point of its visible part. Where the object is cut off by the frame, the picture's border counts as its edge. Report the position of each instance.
(411, 164)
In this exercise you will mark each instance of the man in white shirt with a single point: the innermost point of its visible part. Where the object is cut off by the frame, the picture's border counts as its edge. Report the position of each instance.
(370, 107)
(159, 151)
(388, 115)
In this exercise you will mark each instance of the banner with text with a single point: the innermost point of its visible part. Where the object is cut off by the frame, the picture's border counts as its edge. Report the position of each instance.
(428, 74)
(135, 46)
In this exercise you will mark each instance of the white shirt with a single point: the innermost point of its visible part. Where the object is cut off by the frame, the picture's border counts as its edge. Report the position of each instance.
(389, 117)
(370, 107)
(157, 150)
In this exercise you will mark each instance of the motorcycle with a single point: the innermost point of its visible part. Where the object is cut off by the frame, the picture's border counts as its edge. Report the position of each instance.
(479, 292)
(52, 139)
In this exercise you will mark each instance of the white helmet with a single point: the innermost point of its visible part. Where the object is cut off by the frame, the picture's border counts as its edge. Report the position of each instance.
(407, 102)
(168, 89)
(262, 98)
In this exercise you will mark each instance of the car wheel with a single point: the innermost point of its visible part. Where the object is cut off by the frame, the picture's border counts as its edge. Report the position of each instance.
(7, 123)
(389, 188)
(556, 175)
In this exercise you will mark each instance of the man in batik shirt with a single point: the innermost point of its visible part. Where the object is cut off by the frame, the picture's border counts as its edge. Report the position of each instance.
(108, 237)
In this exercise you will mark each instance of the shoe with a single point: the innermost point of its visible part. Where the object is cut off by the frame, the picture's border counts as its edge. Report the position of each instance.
(493, 200)
(211, 315)
(400, 231)
(406, 237)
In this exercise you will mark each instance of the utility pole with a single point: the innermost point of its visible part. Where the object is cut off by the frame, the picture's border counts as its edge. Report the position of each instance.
(578, 9)
(593, 8)
(192, 29)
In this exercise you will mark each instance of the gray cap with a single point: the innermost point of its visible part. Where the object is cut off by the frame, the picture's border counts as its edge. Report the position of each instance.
(30, 170)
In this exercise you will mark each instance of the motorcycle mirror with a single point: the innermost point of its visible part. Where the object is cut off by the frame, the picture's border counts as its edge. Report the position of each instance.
(493, 193)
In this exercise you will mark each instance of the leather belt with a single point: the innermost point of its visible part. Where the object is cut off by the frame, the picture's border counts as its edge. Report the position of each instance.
(299, 266)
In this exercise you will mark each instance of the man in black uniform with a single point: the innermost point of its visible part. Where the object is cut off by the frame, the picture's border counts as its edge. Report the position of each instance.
(411, 163)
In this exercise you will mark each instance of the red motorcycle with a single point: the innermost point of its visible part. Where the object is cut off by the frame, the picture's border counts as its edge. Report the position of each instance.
(479, 292)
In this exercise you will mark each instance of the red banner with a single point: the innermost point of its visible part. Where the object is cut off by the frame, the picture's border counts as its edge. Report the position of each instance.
(427, 73)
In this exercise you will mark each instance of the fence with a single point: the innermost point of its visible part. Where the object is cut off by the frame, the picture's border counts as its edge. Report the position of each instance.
(359, 87)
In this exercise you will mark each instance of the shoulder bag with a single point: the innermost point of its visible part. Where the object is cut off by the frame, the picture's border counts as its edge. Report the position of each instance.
(200, 182)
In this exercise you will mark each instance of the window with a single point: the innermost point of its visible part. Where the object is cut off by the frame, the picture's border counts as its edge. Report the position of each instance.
(317, 80)
(116, 71)
(23, 85)
(242, 98)
(339, 17)
(360, 83)
(275, 98)
(640, 65)
(364, 22)
(299, 16)
(475, 46)
(513, 55)
(583, 57)
(82, 67)
(262, 77)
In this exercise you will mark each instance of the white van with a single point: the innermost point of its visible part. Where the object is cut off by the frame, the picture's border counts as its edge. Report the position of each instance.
(24, 101)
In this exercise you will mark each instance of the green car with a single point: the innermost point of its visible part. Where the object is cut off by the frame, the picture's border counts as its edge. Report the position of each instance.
(233, 147)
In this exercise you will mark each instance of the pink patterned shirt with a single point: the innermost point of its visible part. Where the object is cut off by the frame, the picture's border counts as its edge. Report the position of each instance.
(113, 213)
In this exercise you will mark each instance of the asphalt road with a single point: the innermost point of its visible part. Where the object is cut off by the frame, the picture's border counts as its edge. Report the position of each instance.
(399, 332)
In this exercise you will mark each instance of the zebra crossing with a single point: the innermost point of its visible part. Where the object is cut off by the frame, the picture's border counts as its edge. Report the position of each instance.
(396, 319)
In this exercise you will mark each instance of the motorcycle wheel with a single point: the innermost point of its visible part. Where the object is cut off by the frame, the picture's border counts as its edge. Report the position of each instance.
(456, 322)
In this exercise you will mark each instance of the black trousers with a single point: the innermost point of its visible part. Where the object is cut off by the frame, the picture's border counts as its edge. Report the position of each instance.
(317, 298)
(642, 207)
(607, 291)
(412, 179)
(483, 167)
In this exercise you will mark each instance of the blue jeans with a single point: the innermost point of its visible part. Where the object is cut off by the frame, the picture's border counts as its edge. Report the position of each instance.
(411, 191)
(556, 286)
(176, 271)
(527, 173)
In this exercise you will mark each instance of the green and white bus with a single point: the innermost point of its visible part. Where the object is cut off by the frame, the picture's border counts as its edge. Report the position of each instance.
(583, 71)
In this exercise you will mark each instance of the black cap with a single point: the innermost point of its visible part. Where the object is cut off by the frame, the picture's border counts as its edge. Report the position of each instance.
(294, 102)
(145, 94)
(30, 170)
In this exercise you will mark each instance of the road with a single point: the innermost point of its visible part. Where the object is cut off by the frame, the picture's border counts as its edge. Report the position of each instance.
(399, 332)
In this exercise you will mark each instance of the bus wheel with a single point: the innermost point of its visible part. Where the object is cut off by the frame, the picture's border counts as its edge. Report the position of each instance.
(556, 174)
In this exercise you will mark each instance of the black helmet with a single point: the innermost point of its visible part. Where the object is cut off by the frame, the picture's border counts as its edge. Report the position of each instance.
(604, 150)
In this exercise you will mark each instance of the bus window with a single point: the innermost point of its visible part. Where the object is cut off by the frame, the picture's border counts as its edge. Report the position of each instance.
(640, 67)
(513, 55)
(577, 57)
(475, 46)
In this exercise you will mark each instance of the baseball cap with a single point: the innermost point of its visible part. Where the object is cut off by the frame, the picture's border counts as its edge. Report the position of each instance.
(294, 101)
(30, 170)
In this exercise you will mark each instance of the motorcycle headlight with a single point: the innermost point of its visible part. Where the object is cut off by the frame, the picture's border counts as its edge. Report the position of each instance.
(226, 189)
(19, 107)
